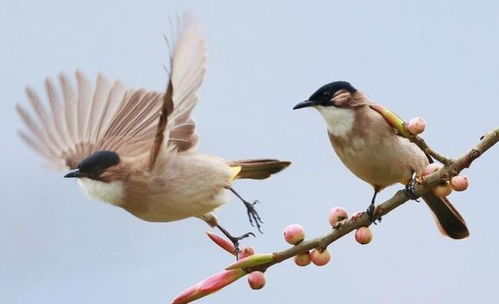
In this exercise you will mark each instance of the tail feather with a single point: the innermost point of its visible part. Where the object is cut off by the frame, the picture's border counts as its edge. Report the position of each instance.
(448, 219)
(259, 168)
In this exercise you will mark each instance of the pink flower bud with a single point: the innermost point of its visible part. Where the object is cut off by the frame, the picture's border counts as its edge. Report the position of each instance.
(293, 234)
(246, 251)
(220, 280)
(223, 243)
(256, 280)
(320, 258)
(416, 125)
(209, 285)
(302, 259)
(459, 182)
(443, 190)
(337, 214)
(363, 235)
(431, 168)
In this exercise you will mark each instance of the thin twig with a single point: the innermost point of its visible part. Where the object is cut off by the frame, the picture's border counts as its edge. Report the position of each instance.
(421, 143)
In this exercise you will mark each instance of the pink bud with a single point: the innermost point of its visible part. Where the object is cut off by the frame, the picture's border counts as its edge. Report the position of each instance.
(246, 251)
(294, 233)
(431, 168)
(220, 280)
(209, 285)
(320, 258)
(416, 125)
(223, 243)
(443, 190)
(302, 259)
(188, 295)
(363, 235)
(337, 214)
(256, 280)
(459, 182)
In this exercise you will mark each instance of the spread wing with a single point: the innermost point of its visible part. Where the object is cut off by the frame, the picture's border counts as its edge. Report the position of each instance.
(107, 116)
(176, 129)
(103, 116)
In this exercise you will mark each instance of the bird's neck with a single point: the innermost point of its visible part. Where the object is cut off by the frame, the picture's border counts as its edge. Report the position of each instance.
(109, 192)
(339, 121)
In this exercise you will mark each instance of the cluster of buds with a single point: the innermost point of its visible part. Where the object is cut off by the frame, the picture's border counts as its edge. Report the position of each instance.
(295, 234)
(457, 183)
(363, 235)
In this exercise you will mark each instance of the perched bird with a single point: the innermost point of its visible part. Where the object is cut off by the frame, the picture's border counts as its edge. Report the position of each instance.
(137, 149)
(370, 148)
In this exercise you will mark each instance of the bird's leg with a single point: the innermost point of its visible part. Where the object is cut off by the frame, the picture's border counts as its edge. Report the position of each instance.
(411, 186)
(253, 216)
(371, 209)
(234, 239)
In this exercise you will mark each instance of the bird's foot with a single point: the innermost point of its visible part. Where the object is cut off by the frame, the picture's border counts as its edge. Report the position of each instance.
(235, 239)
(411, 187)
(253, 216)
(371, 213)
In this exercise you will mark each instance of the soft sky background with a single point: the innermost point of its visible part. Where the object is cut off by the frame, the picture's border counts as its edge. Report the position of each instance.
(435, 59)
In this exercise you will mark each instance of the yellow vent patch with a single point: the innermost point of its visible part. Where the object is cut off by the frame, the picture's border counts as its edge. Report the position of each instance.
(234, 171)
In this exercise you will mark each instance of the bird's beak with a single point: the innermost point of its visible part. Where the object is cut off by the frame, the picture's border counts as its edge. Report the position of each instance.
(72, 174)
(305, 104)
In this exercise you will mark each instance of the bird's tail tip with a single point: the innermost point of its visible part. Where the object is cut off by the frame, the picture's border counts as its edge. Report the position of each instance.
(448, 219)
(259, 168)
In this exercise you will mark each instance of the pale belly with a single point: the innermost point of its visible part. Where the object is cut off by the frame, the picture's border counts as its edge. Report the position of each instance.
(198, 186)
(382, 163)
(177, 205)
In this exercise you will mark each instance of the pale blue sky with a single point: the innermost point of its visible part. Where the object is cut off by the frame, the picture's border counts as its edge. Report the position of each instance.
(435, 59)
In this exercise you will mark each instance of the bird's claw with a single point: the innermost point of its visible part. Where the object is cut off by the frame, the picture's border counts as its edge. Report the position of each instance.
(253, 216)
(235, 240)
(411, 187)
(371, 213)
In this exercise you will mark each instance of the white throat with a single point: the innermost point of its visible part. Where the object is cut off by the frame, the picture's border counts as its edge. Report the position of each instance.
(339, 120)
(111, 192)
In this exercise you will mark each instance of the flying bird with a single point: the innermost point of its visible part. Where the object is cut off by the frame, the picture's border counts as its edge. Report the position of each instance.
(370, 148)
(137, 149)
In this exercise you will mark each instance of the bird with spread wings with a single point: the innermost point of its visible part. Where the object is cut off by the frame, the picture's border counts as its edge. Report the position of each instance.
(137, 149)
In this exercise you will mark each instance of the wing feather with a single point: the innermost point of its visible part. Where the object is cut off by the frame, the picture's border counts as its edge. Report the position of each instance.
(69, 109)
(107, 116)
(100, 94)
(176, 130)
(56, 126)
(116, 94)
(101, 116)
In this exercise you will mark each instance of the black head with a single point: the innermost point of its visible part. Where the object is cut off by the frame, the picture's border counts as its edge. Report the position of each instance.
(325, 93)
(94, 165)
